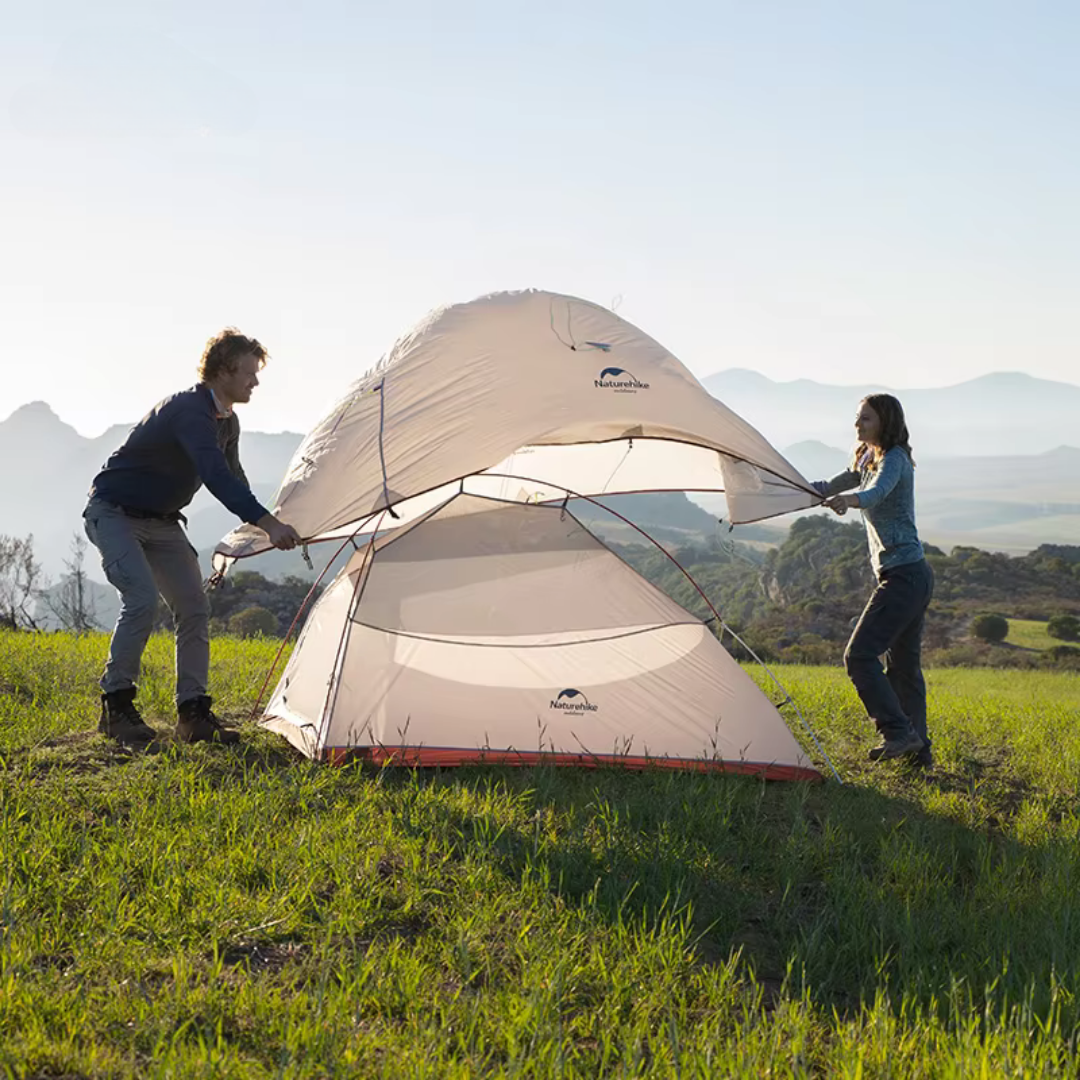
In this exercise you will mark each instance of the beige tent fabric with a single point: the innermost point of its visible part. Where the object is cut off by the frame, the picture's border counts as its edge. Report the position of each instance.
(552, 391)
(494, 631)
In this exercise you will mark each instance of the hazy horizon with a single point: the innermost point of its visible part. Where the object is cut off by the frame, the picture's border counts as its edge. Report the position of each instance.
(300, 430)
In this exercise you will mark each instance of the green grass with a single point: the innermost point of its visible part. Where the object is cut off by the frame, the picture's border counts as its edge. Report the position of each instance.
(244, 913)
(1030, 634)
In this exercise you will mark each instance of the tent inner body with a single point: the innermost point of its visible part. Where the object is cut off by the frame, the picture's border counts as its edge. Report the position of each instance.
(492, 631)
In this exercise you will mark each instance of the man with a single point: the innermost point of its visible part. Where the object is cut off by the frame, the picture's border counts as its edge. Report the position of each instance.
(133, 518)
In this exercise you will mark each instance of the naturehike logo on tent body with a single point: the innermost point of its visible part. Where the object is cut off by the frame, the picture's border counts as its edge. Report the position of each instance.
(565, 702)
(620, 380)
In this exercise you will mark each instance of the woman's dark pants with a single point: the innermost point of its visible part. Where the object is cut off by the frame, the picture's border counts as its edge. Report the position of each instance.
(891, 626)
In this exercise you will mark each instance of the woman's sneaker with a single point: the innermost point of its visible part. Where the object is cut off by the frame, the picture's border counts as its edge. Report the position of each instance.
(122, 722)
(195, 722)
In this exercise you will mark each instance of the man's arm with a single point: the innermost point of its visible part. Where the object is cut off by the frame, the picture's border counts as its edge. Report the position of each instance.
(281, 535)
(197, 434)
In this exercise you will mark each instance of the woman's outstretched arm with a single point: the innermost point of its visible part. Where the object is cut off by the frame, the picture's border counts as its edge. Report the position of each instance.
(844, 481)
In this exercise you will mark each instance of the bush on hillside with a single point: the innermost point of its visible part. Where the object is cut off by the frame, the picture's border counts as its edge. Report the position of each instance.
(992, 628)
(980, 654)
(1065, 657)
(244, 589)
(1064, 627)
(253, 622)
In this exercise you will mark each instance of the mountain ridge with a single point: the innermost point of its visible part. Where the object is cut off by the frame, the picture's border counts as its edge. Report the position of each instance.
(999, 498)
(997, 414)
(990, 378)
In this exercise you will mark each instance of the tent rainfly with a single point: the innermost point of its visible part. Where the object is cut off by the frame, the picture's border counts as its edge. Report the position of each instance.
(530, 394)
(495, 631)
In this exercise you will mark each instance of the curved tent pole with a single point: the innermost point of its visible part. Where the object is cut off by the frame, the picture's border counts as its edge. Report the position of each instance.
(292, 626)
(637, 528)
(339, 656)
(460, 481)
(788, 699)
(303, 604)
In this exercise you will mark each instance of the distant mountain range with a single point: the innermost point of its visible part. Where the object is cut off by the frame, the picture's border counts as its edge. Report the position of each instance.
(1004, 414)
(995, 464)
(1008, 503)
(46, 468)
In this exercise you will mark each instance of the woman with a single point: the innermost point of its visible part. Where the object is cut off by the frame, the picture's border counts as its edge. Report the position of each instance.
(891, 625)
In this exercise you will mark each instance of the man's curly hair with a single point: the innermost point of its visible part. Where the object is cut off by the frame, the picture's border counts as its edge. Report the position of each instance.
(223, 350)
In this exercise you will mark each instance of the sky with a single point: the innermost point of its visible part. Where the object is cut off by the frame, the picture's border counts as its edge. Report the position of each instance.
(853, 192)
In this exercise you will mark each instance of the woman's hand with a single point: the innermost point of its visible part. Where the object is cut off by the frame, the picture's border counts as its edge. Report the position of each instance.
(839, 503)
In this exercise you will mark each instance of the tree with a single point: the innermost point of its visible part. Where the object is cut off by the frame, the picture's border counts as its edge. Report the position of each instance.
(21, 582)
(1064, 627)
(254, 621)
(243, 589)
(72, 601)
(992, 628)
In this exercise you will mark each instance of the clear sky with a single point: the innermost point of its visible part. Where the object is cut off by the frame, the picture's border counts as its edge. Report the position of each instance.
(852, 192)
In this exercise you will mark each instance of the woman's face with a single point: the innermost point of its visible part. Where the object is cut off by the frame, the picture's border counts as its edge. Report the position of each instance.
(868, 425)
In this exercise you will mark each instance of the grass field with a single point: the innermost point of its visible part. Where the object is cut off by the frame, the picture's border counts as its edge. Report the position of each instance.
(1030, 634)
(244, 913)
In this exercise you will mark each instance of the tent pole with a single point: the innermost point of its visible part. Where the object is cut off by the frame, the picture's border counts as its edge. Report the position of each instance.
(292, 626)
(339, 657)
(719, 618)
(788, 699)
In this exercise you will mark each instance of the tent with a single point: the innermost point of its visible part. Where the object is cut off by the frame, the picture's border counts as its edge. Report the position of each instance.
(532, 393)
(495, 631)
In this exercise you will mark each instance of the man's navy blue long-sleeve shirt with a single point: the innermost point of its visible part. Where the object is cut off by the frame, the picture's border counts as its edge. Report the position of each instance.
(177, 447)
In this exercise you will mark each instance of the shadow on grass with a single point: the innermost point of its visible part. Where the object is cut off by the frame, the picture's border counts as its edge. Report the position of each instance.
(843, 891)
(88, 753)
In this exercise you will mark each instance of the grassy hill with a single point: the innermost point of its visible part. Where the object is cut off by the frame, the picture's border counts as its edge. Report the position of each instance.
(201, 912)
(796, 600)
(1031, 634)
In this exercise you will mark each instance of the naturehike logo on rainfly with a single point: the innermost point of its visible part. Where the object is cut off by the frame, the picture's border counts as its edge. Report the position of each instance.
(565, 702)
(620, 380)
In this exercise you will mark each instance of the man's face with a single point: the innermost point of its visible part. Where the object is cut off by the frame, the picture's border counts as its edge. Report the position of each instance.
(243, 378)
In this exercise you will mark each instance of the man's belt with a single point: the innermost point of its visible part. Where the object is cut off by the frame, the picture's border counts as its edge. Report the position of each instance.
(157, 515)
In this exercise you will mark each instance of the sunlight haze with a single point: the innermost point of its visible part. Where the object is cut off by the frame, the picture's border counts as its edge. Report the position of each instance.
(843, 192)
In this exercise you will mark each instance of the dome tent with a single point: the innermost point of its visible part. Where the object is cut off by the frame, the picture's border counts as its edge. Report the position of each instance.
(494, 631)
(536, 393)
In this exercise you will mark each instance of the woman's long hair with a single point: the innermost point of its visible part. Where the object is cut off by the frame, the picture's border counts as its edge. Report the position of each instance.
(894, 432)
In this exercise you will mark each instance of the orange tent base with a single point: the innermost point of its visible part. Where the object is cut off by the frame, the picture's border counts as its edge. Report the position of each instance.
(429, 757)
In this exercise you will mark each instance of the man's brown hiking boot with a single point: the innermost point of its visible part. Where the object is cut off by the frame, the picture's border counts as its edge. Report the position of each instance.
(898, 746)
(196, 722)
(122, 722)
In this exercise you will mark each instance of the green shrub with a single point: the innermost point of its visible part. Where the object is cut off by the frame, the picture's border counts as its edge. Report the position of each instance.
(993, 628)
(1066, 657)
(253, 622)
(1064, 627)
